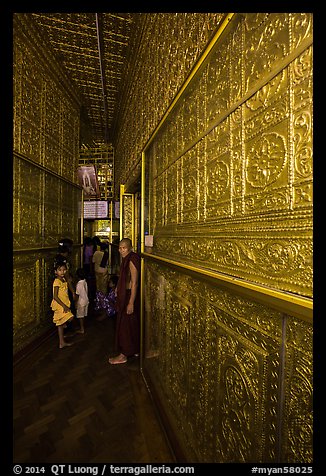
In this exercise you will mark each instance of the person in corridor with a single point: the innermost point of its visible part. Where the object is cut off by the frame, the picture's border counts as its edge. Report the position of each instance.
(127, 338)
(82, 298)
(100, 260)
(60, 304)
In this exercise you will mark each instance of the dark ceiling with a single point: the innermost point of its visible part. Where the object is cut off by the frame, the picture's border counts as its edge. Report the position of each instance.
(94, 49)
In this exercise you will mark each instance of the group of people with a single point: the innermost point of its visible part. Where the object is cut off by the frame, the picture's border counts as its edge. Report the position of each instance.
(119, 295)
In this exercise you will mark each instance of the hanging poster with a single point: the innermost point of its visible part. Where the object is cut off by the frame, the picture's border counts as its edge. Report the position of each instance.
(87, 179)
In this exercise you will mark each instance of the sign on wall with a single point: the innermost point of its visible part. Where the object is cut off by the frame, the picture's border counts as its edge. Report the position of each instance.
(95, 209)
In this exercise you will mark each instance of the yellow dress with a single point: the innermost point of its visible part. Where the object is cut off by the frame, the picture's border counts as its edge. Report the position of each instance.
(59, 316)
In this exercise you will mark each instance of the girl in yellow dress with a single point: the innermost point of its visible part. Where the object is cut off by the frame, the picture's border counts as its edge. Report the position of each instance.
(60, 303)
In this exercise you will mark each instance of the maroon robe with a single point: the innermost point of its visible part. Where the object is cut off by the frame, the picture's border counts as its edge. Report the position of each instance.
(127, 337)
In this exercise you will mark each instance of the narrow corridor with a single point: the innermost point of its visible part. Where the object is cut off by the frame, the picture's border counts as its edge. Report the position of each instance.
(72, 406)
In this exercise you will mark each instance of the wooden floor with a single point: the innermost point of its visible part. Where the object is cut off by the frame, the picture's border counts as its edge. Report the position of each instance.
(72, 406)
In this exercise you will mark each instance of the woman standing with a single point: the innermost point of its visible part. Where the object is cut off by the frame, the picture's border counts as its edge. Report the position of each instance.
(100, 260)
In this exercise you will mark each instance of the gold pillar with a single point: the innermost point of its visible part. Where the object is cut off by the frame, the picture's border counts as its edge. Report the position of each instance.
(127, 215)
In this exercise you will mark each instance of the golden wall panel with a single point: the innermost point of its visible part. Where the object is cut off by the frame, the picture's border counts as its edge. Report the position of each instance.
(266, 43)
(229, 189)
(298, 409)
(240, 184)
(27, 187)
(127, 217)
(45, 191)
(236, 386)
(158, 56)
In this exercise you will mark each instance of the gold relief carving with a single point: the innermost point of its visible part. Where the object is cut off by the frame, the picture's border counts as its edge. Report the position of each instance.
(159, 202)
(261, 238)
(235, 442)
(258, 316)
(302, 130)
(42, 109)
(265, 46)
(52, 209)
(172, 191)
(276, 199)
(190, 187)
(299, 419)
(168, 60)
(279, 257)
(298, 402)
(181, 311)
(158, 152)
(188, 117)
(267, 119)
(154, 308)
(217, 176)
(301, 69)
(27, 138)
(32, 289)
(127, 216)
(237, 168)
(52, 155)
(210, 22)
(28, 227)
(303, 195)
(53, 219)
(253, 21)
(31, 101)
(299, 335)
(17, 95)
(218, 82)
(282, 264)
(172, 334)
(301, 28)
(267, 174)
(268, 95)
(223, 400)
(171, 141)
(24, 289)
(198, 404)
(244, 368)
(236, 65)
(41, 215)
(303, 144)
(218, 140)
(217, 180)
(266, 160)
(51, 123)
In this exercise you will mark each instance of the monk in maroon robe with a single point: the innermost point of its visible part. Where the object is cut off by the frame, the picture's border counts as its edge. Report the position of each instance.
(127, 336)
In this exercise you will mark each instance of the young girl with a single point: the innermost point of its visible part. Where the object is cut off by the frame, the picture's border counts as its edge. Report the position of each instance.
(60, 303)
(82, 298)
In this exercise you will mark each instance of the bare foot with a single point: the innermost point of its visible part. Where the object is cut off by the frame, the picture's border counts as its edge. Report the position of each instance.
(80, 332)
(119, 359)
(66, 344)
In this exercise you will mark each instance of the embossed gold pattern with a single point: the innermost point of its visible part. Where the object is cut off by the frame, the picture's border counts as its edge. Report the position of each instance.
(241, 195)
(46, 196)
(229, 188)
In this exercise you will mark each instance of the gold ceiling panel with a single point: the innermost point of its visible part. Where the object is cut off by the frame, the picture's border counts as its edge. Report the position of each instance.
(93, 48)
